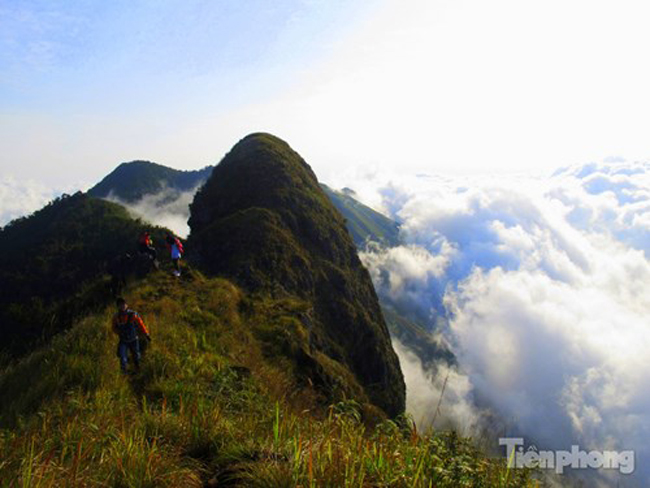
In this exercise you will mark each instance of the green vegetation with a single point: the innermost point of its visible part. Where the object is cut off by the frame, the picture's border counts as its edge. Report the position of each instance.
(273, 369)
(53, 264)
(263, 221)
(364, 223)
(131, 181)
(219, 402)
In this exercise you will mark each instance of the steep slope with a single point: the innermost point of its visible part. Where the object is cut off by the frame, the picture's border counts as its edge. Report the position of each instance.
(211, 407)
(53, 265)
(364, 223)
(263, 220)
(129, 182)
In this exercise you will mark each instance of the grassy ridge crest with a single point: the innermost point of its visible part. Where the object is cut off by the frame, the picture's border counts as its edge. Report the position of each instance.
(220, 401)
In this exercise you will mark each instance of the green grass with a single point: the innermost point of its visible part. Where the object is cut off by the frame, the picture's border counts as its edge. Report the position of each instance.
(219, 397)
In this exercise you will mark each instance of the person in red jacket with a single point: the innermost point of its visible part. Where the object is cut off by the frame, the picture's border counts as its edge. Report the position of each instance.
(145, 246)
(126, 324)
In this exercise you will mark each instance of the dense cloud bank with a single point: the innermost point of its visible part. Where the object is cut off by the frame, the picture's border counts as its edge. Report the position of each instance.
(441, 400)
(542, 286)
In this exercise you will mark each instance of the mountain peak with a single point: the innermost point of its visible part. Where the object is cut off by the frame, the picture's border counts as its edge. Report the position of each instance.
(261, 139)
(263, 220)
(262, 171)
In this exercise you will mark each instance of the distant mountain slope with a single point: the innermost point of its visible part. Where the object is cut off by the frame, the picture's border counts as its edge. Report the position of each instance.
(363, 222)
(263, 220)
(129, 182)
(417, 338)
(51, 260)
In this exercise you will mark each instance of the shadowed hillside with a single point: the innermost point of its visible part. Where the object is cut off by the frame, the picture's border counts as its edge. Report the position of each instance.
(53, 265)
(364, 224)
(263, 220)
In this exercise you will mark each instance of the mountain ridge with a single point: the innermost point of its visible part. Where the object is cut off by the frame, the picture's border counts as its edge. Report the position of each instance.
(210, 407)
(131, 181)
(262, 220)
(241, 385)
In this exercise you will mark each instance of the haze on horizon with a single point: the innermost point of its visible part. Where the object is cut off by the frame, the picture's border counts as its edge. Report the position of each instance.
(458, 86)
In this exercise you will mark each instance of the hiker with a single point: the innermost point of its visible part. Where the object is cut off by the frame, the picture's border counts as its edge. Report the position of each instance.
(145, 246)
(127, 324)
(175, 246)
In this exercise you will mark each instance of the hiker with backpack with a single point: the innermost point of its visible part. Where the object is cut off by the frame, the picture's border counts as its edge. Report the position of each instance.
(175, 246)
(126, 324)
(145, 246)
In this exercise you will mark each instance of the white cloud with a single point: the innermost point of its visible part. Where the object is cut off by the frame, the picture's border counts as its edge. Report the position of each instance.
(168, 208)
(439, 400)
(21, 198)
(544, 296)
(405, 275)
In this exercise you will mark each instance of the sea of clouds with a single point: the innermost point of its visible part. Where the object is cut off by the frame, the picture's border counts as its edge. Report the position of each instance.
(542, 287)
(539, 284)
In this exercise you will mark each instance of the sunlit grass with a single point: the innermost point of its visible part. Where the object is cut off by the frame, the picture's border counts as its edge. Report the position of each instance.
(217, 399)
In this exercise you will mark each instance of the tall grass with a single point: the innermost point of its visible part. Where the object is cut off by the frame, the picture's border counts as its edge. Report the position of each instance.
(210, 404)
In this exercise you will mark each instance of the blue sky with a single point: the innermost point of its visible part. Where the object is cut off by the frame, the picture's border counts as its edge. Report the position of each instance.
(436, 86)
(102, 56)
(72, 72)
